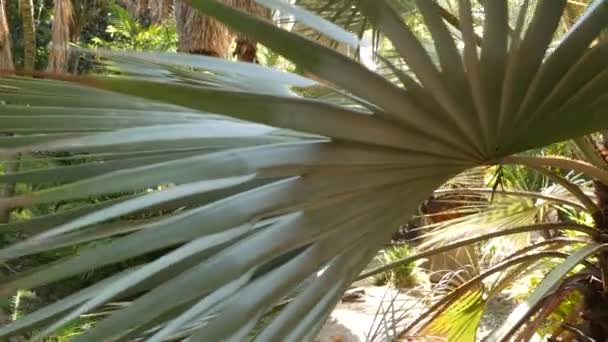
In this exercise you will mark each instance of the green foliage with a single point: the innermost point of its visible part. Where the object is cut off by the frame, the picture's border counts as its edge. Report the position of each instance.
(566, 308)
(515, 177)
(403, 276)
(90, 20)
(550, 196)
(128, 33)
(42, 19)
(71, 330)
(460, 321)
(16, 309)
(270, 58)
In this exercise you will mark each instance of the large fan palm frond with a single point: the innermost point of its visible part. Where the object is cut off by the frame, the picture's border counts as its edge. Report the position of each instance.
(236, 216)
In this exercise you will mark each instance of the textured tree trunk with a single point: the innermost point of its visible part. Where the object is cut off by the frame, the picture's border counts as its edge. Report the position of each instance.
(62, 21)
(137, 8)
(141, 8)
(159, 10)
(200, 34)
(130, 6)
(26, 8)
(246, 48)
(6, 57)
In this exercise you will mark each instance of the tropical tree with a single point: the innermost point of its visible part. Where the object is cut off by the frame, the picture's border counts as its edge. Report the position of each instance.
(159, 10)
(62, 21)
(6, 56)
(201, 34)
(566, 209)
(129, 33)
(26, 10)
(141, 8)
(246, 49)
(510, 228)
(149, 11)
(88, 18)
(226, 218)
(136, 8)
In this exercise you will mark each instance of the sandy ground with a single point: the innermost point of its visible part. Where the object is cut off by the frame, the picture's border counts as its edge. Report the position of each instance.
(353, 321)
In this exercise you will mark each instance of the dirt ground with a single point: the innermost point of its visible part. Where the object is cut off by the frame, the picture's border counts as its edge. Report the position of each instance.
(352, 321)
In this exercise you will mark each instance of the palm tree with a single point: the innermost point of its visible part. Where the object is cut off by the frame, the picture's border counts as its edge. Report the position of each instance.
(6, 56)
(226, 219)
(26, 9)
(246, 48)
(506, 224)
(84, 13)
(159, 10)
(200, 34)
(62, 21)
(134, 7)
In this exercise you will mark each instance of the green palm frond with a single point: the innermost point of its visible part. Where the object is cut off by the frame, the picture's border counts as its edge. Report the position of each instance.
(586, 148)
(486, 220)
(460, 321)
(243, 189)
(503, 213)
(549, 284)
(480, 216)
(343, 12)
(399, 306)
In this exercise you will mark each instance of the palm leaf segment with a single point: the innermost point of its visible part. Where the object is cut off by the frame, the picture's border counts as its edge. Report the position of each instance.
(250, 214)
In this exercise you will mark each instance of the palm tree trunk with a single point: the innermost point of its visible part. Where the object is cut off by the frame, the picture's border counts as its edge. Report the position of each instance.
(138, 9)
(29, 36)
(62, 20)
(159, 10)
(6, 57)
(200, 34)
(246, 48)
(130, 6)
(141, 9)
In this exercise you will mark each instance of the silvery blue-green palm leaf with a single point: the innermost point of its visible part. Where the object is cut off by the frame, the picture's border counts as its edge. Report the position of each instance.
(247, 192)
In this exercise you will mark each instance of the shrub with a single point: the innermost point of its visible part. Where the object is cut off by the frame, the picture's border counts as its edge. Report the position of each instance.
(403, 276)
